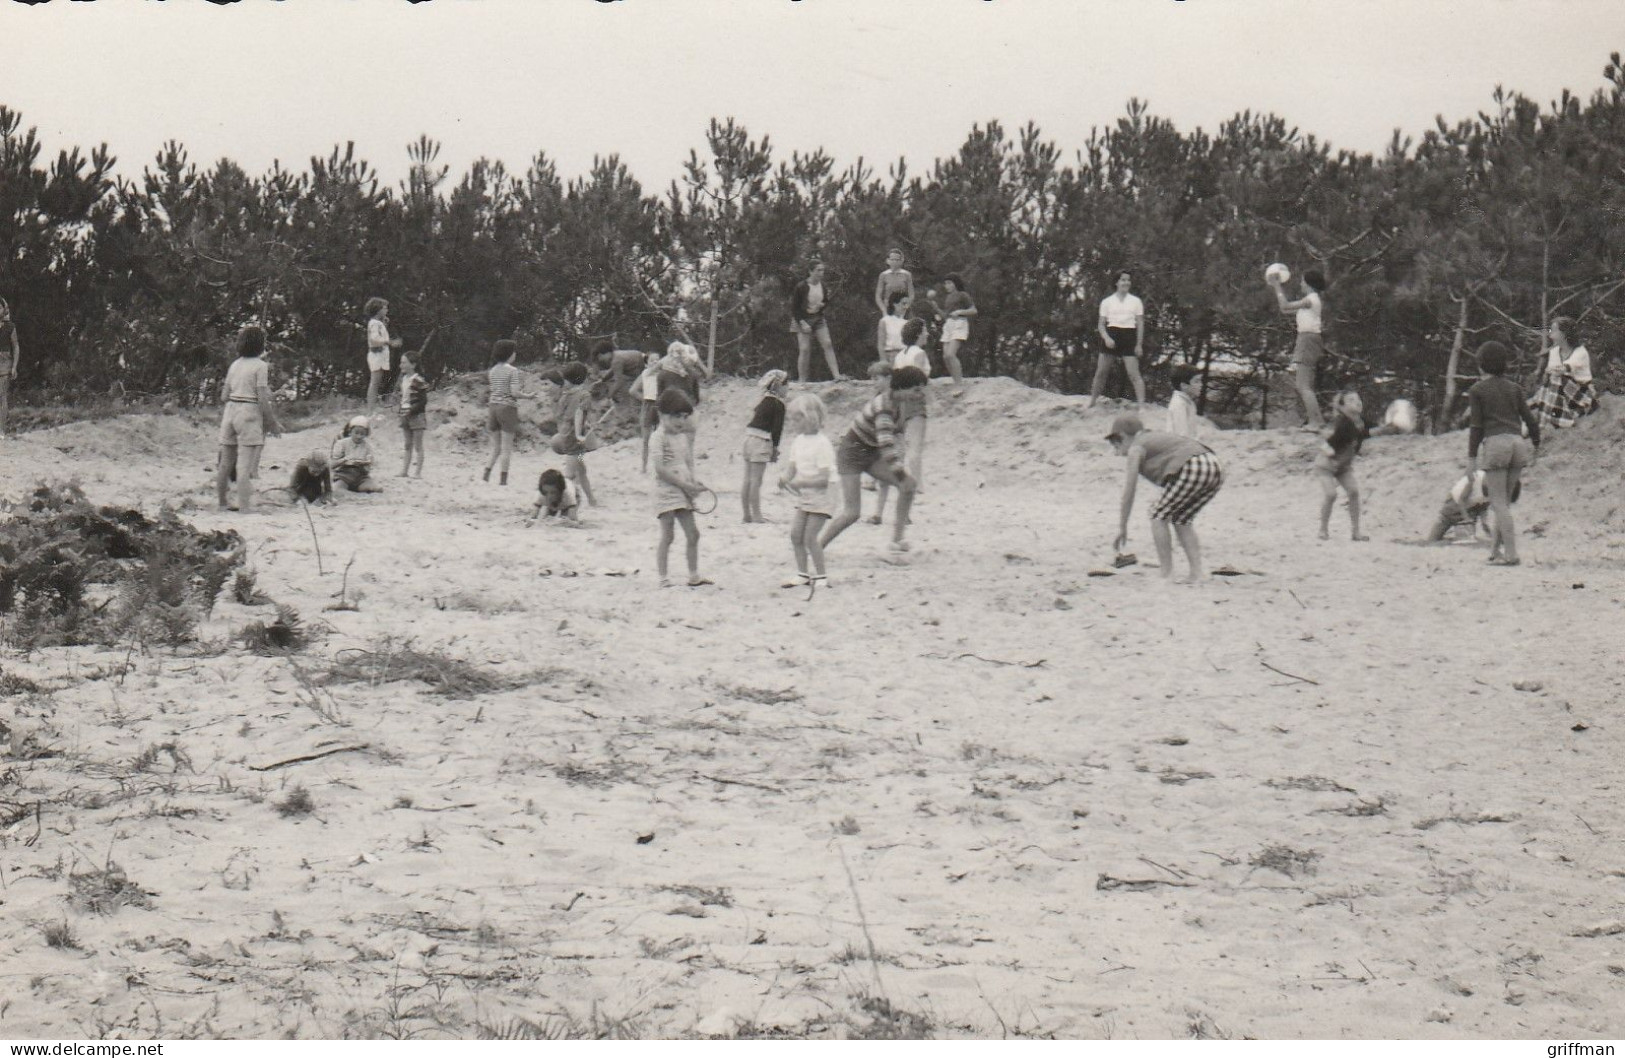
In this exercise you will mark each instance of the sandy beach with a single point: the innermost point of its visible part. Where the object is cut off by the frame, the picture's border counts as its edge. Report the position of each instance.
(1351, 790)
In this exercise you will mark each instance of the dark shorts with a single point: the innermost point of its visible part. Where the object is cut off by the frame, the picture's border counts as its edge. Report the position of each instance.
(351, 477)
(413, 421)
(852, 456)
(690, 386)
(651, 413)
(566, 444)
(504, 417)
(1127, 339)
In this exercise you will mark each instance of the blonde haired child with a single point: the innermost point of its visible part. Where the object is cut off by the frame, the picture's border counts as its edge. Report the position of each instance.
(809, 464)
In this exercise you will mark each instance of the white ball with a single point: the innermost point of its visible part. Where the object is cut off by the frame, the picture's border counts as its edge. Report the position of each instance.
(1401, 413)
(1277, 271)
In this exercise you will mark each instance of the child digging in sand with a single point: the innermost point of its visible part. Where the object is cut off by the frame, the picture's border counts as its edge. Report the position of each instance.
(312, 480)
(1190, 476)
(414, 412)
(555, 497)
(762, 436)
(1495, 445)
(808, 465)
(1467, 503)
(675, 483)
(571, 439)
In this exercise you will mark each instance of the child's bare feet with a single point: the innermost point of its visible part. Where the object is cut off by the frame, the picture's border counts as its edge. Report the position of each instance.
(1359, 537)
(873, 519)
(1325, 534)
(697, 581)
(901, 545)
(665, 582)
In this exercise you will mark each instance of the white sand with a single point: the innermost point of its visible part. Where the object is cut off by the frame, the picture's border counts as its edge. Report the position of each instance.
(1069, 805)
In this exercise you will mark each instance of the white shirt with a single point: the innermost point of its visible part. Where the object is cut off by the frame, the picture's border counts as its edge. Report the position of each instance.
(894, 331)
(913, 356)
(1309, 315)
(1578, 365)
(569, 499)
(811, 454)
(1182, 415)
(1470, 494)
(651, 382)
(815, 297)
(245, 377)
(377, 334)
(1124, 311)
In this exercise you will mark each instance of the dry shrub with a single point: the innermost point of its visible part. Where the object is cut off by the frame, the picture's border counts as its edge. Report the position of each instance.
(443, 674)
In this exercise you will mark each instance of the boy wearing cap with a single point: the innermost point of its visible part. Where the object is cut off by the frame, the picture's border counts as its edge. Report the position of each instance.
(1190, 476)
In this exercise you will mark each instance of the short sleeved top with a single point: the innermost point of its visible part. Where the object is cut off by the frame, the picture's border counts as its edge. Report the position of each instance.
(353, 452)
(245, 377)
(1309, 315)
(1165, 453)
(913, 356)
(1122, 312)
(377, 334)
(893, 329)
(504, 384)
(811, 453)
(414, 394)
(565, 413)
(956, 301)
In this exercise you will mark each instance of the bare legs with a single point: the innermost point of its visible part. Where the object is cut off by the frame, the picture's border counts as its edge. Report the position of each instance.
(1103, 371)
(1188, 540)
(374, 383)
(414, 447)
(246, 458)
(501, 451)
(1304, 379)
(750, 496)
(575, 468)
(950, 356)
(1328, 499)
(913, 458)
(851, 504)
(669, 520)
(804, 541)
(804, 339)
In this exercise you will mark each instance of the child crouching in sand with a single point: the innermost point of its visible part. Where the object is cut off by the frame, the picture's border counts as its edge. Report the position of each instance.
(1467, 503)
(809, 463)
(312, 480)
(557, 497)
(870, 446)
(1190, 476)
(675, 483)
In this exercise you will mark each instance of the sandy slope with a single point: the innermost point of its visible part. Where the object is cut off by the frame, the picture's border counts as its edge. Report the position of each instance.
(1070, 805)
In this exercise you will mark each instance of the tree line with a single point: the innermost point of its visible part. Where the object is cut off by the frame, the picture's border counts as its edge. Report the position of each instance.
(1486, 227)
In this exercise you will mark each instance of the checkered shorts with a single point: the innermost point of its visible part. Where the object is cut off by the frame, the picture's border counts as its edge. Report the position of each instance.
(1188, 491)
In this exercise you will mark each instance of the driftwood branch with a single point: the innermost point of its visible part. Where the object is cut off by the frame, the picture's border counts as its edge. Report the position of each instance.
(308, 757)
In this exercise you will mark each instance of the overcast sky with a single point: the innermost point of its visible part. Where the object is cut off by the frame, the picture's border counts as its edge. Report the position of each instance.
(258, 81)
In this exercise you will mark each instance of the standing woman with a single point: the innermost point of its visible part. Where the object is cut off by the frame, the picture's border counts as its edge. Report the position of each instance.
(1567, 393)
(379, 343)
(1122, 331)
(503, 417)
(10, 360)
(957, 312)
(807, 307)
(1310, 347)
(894, 282)
(246, 418)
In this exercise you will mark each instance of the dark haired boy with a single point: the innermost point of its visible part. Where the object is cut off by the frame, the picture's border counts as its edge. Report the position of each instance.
(1497, 415)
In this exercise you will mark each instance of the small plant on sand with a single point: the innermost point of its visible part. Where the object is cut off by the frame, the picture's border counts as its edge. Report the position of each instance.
(283, 635)
(245, 589)
(297, 803)
(103, 891)
(60, 935)
(443, 674)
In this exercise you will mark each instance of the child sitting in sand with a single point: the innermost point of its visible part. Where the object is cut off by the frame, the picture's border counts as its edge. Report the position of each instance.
(414, 412)
(1190, 476)
(312, 480)
(675, 483)
(352, 457)
(1467, 503)
(809, 464)
(762, 435)
(556, 497)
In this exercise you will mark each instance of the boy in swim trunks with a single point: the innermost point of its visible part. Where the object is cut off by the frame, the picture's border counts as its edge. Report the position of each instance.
(1190, 476)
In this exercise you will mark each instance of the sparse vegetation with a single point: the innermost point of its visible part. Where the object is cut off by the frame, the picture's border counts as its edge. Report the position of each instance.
(245, 589)
(283, 635)
(60, 934)
(297, 803)
(103, 891)
(443, 674)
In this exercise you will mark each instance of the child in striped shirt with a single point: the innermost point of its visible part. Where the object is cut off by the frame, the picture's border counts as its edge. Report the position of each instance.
(870, 446)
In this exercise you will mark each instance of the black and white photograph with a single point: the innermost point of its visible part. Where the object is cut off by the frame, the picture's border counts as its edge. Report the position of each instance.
(774, 520)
